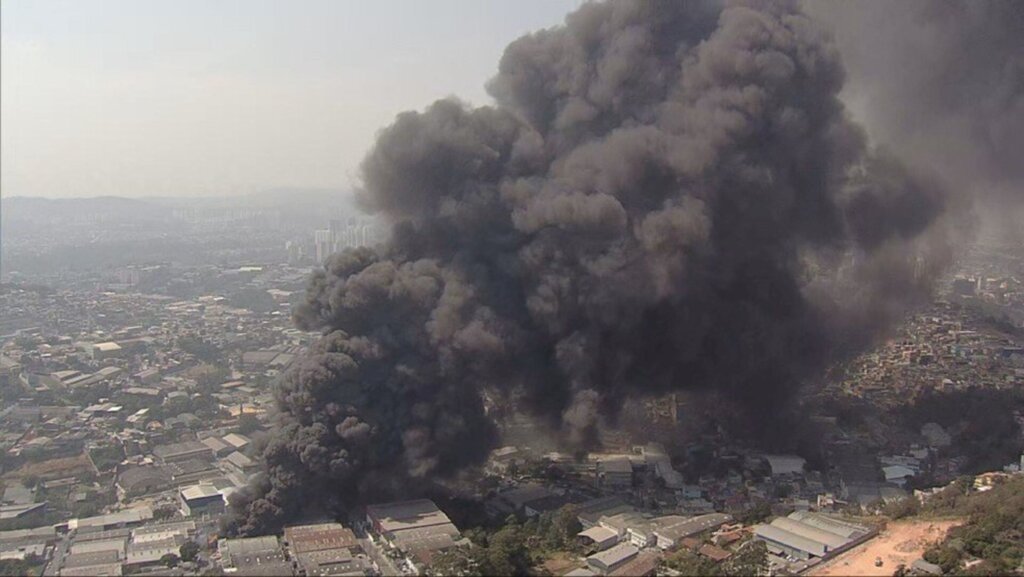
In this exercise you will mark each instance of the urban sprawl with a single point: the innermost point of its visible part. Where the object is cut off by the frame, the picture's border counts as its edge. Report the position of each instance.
(134, 400)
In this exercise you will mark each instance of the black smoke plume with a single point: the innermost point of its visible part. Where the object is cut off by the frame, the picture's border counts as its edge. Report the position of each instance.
(664, 196)
(942, 83)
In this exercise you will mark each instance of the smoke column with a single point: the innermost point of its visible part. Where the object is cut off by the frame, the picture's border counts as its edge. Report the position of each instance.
(663, 197)
(941, 83)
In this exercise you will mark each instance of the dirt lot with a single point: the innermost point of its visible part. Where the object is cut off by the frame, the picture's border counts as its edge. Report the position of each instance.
(52, 469)
(901, 542)
(561, 563)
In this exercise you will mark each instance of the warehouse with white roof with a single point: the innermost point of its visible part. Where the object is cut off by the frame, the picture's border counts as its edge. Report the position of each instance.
(804, 534)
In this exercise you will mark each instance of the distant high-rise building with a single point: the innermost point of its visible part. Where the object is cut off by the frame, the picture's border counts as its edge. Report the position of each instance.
(324, 243)
(295, 252)
(128, 276)
(341, 234)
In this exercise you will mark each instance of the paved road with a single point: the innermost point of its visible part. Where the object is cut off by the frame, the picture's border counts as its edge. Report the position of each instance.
(386, 565)
(59, 551)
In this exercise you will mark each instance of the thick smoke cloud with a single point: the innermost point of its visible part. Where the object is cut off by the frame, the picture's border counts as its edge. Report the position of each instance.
(942, 83)
(664, 197)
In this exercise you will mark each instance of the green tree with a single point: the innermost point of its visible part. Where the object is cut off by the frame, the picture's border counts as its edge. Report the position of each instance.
(691, 564)
(170, 560)
(165, 512)
(256, 300)
(87, 509)
(210, 377)
(456, 562)
(759, 512)
(564, 527)
(189, 550)
(946, 557)
(199, 348)
(506, 553)
(13, 567)
(247, 424)
(750, 559)
(477, 535)
(905, 507)
(206, 407)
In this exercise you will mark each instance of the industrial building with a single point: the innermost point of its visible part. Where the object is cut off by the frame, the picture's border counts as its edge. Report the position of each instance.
(405, 520)
(94, 563)
(202, 499)
(240, 463)
(672, 529)
(126, 518)
(591, 512)
(615, 473)
(151, 552)
(319, 537)
(605, 562)
(601, 537)
(102, 351)
(160, 531)
(785, 464)
(417, 528)
(607, 522)
(803, 535)
(324, 549)
(178, 452)
(254, 556)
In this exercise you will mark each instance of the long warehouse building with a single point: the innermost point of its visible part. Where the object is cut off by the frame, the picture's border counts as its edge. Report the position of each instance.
(803, 535)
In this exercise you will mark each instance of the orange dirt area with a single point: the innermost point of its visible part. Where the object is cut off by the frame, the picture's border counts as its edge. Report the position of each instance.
(901, 542)
(52, 469)
(560, 563)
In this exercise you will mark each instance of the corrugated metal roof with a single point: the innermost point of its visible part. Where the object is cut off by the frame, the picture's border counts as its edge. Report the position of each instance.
(831, 540)
(615, 555)
(790, 540)
(598, 534)
(837, 526)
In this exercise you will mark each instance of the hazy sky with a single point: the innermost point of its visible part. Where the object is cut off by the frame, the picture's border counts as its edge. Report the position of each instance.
(211, 97)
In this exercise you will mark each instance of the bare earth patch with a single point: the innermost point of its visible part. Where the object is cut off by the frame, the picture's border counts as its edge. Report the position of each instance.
(561, 563)
(900, 543)
(52, 469)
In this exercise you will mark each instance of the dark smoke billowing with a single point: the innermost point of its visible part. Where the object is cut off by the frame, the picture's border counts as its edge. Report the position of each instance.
(664, 196)
(942, 83)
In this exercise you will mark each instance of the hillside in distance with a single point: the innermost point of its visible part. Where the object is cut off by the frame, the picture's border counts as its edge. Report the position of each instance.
(43, 235)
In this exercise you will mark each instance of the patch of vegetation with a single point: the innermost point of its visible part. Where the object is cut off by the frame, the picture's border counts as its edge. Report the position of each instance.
(201, 349)
(209, 377)
(164, 513)
(755, 514)
(170, 560)
(255, 300)
(980, 421)
(18, 567)
(993, 536)
(514, 549)
(247, 424)
(106, 457)
(750, 559)
(189, 551)
(905, 507)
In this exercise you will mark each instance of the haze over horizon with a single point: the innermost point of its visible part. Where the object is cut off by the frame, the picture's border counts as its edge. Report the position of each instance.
(213, 99)
(556, 287)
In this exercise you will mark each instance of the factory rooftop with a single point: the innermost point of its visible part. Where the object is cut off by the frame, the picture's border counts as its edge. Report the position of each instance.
(403, 515)
(804, 535)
